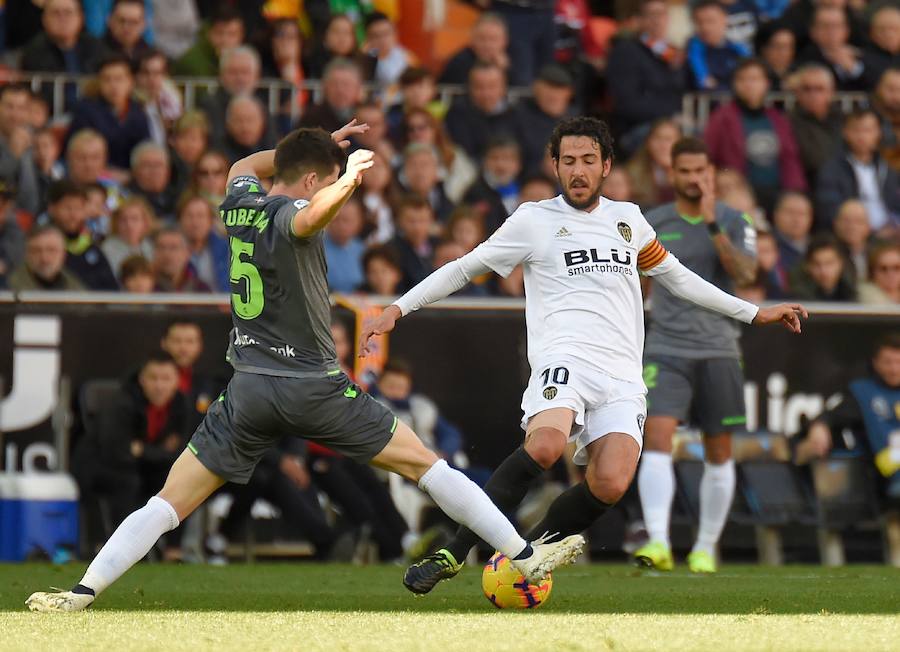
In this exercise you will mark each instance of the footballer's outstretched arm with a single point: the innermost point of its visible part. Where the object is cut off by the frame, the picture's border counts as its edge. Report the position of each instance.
(325, 204)
(668, 271)
(436, 286)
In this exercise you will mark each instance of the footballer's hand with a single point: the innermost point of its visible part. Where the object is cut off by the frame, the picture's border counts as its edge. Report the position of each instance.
(787, 313)
(358, 162)
(342, 135)
(380, 325)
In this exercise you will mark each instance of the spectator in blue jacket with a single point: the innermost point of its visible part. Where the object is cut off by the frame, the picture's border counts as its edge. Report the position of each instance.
(344, 248)
(114, 113)
(711, 56)
(209, 250)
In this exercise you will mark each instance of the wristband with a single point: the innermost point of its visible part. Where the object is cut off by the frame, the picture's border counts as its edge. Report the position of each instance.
(714, 229)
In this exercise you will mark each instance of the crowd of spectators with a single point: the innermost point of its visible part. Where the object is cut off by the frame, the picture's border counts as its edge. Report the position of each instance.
(120, 189)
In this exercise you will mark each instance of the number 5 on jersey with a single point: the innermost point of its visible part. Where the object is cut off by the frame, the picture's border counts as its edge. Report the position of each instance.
(250, 303)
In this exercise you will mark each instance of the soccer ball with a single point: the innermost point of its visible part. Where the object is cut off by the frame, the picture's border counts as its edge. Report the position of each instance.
(506, 588)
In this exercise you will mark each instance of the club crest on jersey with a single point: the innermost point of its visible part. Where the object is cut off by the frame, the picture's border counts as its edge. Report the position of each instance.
(624, 231)
(550, 393)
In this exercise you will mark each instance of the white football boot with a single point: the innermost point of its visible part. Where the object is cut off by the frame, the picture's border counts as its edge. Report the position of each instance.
(59, 601)
(548, 556)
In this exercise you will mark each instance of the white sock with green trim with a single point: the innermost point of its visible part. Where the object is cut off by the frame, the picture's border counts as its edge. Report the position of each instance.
(465, 502)
(656, 486)
(716, 492)
(129, 543)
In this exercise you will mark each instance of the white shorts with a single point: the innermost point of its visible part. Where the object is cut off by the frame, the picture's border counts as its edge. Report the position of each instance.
(602, 404)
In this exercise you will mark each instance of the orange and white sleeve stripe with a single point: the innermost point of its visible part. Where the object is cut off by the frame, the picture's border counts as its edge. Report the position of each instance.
(651, 256)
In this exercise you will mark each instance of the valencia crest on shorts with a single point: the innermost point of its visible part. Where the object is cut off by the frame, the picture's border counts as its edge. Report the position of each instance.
(550, 393)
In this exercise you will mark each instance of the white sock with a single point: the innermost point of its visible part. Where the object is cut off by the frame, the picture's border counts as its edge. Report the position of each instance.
(465, 502)
(129, 543)
(716, 492)
(656, 486)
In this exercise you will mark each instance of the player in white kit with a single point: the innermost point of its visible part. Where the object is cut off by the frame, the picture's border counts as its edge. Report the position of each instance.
(582, 255)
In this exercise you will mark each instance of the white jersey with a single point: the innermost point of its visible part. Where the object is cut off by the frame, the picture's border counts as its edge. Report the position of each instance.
(583, 297)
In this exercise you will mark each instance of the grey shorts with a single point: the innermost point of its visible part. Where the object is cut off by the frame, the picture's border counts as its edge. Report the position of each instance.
(255, 412)
(708, 394)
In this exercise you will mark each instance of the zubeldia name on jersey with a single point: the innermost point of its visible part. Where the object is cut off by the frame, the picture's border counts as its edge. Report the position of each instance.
(586, 261)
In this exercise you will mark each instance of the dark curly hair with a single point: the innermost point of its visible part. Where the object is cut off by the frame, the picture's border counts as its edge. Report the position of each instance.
(595, 129)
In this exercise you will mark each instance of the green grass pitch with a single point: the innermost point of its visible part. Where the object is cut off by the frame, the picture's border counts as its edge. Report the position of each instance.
(335, 608)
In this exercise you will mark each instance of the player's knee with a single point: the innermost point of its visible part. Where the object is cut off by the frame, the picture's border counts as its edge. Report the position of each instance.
(658, 434)
(546, 446)
(718, 449)
(607, 486)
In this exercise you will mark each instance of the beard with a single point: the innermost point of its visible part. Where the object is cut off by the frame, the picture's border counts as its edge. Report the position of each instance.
(581, 205)
(688, 193)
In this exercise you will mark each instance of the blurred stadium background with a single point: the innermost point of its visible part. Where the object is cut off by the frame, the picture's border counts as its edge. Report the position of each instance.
(118, 121)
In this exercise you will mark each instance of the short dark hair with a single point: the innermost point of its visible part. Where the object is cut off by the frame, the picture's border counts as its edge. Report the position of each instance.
(14, 87)
(159, 357)
(706, 4)
(414, 74)
(411, 201)
(116, 3)
(225, 13)
(689, 145)
(859, 113)
(382, 252)
(593, 128)
(182, 322)
(135, 265)
(486, 65)
(501, 141)
(307, 150)
(63, 188)
(375, 17)
(148, 55)
(887, 341)
(821, 242)
(399, 367)
(749, 62)
(114, 59)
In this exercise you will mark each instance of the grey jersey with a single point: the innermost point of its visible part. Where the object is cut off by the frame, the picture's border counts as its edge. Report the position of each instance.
(680, 328)
(279, 295)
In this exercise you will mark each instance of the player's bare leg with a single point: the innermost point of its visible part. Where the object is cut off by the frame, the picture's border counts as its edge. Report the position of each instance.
(656, 486)
(612, 461)
(188, 484)
(467, 504)
(716, 493)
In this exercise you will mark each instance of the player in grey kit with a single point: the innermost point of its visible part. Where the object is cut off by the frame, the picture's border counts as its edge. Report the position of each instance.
(692, 358)
(287, 381)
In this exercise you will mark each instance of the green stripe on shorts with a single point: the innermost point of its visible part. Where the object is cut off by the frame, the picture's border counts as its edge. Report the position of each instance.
(192, 448)
(734, 421)
(394, 425)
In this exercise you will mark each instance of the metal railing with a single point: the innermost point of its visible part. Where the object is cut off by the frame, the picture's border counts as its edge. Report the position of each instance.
(697, 107)
(279, 96)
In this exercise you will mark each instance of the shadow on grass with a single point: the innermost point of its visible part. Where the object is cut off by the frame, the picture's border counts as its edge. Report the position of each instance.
(581, 589)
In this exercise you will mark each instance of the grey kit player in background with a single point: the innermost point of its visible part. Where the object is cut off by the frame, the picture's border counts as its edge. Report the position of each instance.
(287, 380)
(692, 358)
(582, 255)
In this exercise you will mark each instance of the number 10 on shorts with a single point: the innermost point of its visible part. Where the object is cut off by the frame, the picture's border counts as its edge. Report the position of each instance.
(559, 375)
